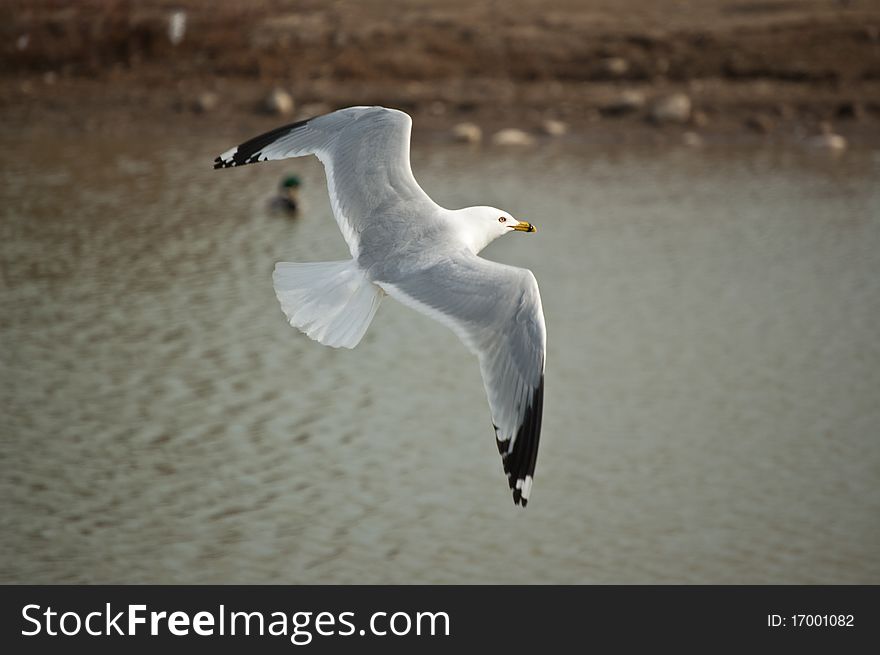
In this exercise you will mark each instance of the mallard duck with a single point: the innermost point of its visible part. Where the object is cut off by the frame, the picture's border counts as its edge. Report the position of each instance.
(287, 200)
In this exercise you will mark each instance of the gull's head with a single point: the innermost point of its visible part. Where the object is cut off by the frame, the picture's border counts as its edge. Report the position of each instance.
(485, 224)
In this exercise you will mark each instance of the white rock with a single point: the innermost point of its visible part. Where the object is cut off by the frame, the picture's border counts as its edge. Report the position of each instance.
(830, 142)
(827, 140)
(627, 102)
(554, 127)
(467, 133)
(614, 66)
(512, 137)
(206, 102)
(279, 102)
(176, 26)
(674, 108)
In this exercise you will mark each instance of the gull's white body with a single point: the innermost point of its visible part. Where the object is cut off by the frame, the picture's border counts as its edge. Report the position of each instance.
(405, 245)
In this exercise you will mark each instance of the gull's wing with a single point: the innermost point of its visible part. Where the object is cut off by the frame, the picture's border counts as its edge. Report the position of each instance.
(365, 152)
(496, 311)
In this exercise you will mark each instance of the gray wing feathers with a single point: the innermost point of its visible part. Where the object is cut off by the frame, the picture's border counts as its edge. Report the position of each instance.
(496, 311)
(365, 152)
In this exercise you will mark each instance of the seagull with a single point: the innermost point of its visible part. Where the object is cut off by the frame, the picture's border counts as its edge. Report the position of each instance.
(406, 246)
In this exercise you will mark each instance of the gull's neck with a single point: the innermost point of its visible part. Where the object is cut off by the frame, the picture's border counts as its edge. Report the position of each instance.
(470, 230)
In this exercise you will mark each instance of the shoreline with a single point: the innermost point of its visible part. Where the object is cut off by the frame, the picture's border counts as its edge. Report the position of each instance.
(759, 72)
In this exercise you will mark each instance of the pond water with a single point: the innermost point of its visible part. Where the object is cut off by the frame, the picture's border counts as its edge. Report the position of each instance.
(712, 408)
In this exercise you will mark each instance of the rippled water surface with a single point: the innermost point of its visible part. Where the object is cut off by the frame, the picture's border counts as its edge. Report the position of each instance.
(713, 380)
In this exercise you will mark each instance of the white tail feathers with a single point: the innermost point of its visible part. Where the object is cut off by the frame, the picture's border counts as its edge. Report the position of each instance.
(332, 302)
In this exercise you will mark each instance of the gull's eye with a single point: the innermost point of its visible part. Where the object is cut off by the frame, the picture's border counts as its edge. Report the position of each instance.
(502, 220)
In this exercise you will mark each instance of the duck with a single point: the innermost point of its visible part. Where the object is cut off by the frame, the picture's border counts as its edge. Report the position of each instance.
(287, 199)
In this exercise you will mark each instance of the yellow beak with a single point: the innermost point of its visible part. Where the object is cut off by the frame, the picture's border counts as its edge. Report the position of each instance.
(523, 226)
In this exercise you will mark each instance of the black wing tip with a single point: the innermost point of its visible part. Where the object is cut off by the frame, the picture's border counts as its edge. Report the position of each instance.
(519, 462)
(249, 152)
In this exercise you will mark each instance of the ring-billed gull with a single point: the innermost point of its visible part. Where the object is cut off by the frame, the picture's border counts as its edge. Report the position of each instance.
(405, 245)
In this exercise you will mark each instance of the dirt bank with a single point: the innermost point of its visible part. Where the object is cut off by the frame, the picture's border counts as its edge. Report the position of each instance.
(769, 69)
